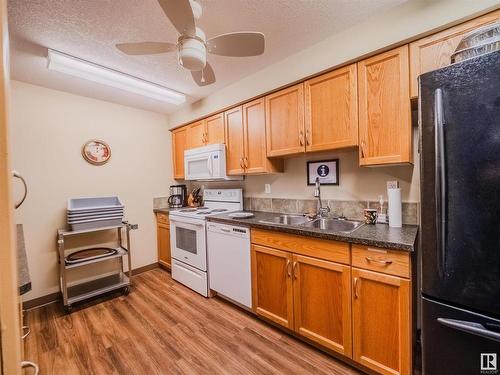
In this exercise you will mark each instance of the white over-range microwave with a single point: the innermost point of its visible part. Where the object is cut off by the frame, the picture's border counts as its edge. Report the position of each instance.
(207, 163)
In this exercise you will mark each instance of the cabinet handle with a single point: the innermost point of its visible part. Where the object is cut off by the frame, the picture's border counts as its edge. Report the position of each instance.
(288, 268)
(295, 269)
(308, 138)
(25, 364)
(245, 162)
(380, 261)
(301, 138)
(362, 144)
(356, 288)
(241, 164)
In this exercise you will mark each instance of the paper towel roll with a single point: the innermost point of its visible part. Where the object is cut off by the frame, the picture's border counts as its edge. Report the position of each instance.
(395, 208)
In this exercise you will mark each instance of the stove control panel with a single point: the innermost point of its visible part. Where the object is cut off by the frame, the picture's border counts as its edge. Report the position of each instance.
(223, 195)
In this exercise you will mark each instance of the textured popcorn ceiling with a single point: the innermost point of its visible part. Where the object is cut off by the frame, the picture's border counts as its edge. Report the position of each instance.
(89, 29)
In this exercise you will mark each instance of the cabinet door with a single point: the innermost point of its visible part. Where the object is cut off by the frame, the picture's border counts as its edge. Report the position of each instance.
(285, 121)
(434, 51)
(322, 302)
(384, 109)
(381, 322)
(331, 105)
(196, 134)
(235, 152)
(179, 145)
(272, 294)
(215, 129)
(163, 237)
(255, 159)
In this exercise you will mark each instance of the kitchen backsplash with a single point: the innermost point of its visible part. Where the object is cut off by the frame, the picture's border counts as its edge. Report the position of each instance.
(350, 209)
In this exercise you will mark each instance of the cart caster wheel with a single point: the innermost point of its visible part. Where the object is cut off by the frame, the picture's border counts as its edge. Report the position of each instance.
(126, 291)
(68, 309)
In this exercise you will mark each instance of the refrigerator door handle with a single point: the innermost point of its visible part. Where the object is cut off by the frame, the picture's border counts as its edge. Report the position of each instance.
(440, 180)
(470, 327)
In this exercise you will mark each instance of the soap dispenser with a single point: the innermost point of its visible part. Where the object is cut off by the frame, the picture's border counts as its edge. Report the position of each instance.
(381, 216)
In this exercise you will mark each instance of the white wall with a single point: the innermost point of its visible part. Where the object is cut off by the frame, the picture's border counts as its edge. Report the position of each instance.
(400, 24)
(394, 26)
(48, 130)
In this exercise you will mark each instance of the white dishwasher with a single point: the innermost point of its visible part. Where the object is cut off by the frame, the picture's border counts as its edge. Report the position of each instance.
(228, 250)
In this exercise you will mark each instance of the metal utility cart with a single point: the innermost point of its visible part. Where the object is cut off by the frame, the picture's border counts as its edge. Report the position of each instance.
(85, 290)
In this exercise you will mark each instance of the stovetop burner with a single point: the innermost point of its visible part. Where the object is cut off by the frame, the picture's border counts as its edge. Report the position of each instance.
(188, 210)
(219, 210)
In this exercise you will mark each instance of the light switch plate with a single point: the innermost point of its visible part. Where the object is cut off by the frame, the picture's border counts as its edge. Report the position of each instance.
(267, 188)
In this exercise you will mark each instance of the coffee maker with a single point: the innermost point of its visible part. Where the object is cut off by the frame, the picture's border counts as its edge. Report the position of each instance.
(177, 196)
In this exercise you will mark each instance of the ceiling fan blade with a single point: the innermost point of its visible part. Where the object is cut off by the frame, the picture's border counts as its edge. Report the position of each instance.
(204, 77)
(180, 13)
(146, 48)
(239, 44)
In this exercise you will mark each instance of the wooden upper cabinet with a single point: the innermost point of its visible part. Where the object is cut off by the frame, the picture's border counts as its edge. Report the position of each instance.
(179, 145)
(434, 51)
(322, 302)
(254, 123)
(214, 129)
(381, 322)
(272, 290)
(196, 134)
(235, 151)
(385, 134)
(285, 121)
(331, 110)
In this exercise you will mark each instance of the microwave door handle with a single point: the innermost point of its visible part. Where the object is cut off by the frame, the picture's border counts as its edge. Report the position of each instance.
(209, 165)
(440, 181)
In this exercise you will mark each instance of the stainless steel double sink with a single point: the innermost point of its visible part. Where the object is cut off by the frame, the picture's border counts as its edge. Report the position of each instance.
(327, 224)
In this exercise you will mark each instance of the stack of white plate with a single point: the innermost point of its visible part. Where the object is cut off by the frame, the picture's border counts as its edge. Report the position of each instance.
(98, 212)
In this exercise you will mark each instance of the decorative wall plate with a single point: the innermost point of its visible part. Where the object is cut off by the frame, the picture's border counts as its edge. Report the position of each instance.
(96, 152)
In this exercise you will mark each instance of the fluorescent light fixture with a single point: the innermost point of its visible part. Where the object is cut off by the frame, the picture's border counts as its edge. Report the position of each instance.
(66, 64)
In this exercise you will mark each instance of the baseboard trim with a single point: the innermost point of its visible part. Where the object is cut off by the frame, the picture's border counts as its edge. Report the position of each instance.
(55, 297)
(142, 269)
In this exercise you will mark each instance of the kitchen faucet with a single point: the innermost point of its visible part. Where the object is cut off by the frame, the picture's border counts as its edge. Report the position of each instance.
(321, 211)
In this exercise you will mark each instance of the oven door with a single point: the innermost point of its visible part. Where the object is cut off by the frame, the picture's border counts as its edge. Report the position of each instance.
(188, 241)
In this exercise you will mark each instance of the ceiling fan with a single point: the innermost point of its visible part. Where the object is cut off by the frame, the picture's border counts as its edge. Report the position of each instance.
(192, 45)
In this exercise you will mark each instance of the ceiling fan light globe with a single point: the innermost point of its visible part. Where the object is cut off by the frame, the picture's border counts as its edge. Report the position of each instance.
(193, 54)
(193, 51)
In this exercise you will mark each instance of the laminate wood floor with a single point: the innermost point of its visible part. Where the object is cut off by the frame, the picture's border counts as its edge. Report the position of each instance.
(162, 327)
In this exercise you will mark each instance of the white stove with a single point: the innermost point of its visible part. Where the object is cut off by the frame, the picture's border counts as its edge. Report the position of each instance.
(188, 237)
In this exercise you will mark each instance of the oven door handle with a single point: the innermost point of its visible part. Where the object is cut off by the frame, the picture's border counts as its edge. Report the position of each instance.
(181, 222)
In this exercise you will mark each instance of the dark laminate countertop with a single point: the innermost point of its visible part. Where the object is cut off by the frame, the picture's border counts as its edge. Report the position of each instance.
(380, 235)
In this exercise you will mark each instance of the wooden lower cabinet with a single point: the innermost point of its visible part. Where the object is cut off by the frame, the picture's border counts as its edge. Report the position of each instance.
(163, 243)
(322, 302)
(361, 314)
(304, 294)
(272, 285)
(381, 315)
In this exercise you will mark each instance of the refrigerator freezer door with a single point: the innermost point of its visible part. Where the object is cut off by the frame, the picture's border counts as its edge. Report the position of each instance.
(460, 184)
(458, 342)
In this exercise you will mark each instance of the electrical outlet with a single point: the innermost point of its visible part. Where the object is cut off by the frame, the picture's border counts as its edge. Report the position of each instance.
(392, 184)
(267, 188)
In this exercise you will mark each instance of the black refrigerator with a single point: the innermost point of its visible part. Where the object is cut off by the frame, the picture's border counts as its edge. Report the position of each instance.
(459, 126)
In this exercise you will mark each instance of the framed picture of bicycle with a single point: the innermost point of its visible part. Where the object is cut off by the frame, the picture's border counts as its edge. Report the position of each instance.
(326, 170)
